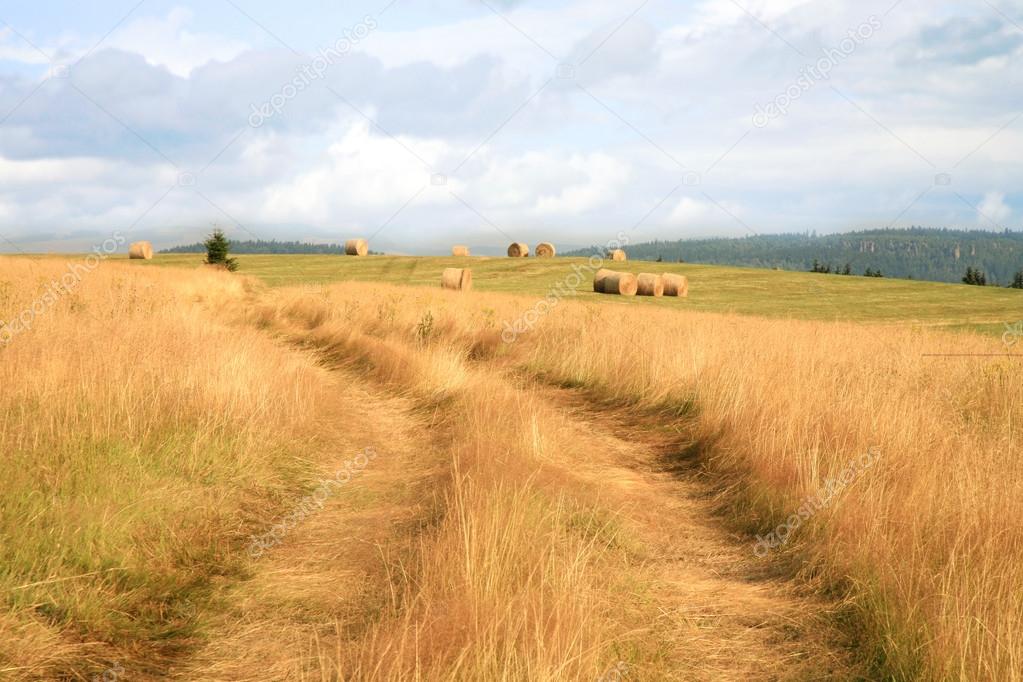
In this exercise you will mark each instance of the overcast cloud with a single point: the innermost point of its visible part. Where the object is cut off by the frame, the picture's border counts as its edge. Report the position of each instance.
(478, 121)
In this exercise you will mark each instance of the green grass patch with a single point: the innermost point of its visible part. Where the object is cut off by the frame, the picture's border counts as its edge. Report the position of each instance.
(749, 291)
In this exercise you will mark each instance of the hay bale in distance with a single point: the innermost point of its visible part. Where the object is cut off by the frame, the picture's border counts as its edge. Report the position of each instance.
(141, 251)
(618, 254)
(598, 279)
(649, 285)
(676, 285)
(622, 283)
(545, 250)
(457, 279)
(518, 250)
(356, 247)
(460, 251)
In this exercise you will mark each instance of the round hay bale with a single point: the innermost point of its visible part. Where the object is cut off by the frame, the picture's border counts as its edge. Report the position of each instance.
(356, 247)
(676, 285)
(518, 250)
(460, 251)
(618, 254)
(649, 285)
(545, 250)
(140, 251)
(622, 283)
(457, 279)
(598, 279)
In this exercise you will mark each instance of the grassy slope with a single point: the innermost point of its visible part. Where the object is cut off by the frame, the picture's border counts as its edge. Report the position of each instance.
(782, 407)
(141, 438)
(713, 288)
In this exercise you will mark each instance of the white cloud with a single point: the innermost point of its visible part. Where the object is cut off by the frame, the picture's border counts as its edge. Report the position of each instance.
(695, 213)
(13, 48)
(168, 42)
(600, 181)
(993, 208)
(683, 77)
(358, 172)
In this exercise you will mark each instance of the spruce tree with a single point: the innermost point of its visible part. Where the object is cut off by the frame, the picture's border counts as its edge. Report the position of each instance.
(1017, 281)
(217, 248)
(975, 276)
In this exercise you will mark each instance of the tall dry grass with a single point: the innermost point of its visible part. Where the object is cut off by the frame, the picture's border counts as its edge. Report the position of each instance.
(502, 584)
(925, 546)
(135, 429)
(157, 405)
(927, 543)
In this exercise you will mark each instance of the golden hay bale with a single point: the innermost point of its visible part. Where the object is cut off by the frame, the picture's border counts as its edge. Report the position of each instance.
(545, 250)
(617, 254)
(356, 247)
(676, 285)
(649, 285)
(598, 279)
(622, 283)
(459, 279)
(141, 251)
(518, 250)
(460, 250)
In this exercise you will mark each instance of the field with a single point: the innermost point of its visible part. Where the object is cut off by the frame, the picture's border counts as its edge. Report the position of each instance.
(721, 289)
(325, 468)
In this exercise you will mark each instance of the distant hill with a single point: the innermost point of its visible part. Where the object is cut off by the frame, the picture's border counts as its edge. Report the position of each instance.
(261, 246)
(940, 255)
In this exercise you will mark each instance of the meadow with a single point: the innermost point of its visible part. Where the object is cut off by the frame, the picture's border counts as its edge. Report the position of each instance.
(748, 291)
(583, 502)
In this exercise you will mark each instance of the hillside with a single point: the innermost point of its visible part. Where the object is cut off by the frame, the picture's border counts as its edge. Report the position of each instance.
(715, 288)
(939, 255)
(214, 479)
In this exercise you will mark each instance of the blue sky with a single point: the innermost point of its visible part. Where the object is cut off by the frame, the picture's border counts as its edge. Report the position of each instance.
(424, 123)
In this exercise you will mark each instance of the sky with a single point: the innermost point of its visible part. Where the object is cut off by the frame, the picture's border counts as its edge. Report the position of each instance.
(422, 123)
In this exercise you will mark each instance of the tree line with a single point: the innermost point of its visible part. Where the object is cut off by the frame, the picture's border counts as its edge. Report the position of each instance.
(936, 254)
(265, 247)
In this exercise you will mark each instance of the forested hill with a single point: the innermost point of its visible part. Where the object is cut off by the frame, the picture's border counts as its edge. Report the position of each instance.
(265, 247)
(918, 253)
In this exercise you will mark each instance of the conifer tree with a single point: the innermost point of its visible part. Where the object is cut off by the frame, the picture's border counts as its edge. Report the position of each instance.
(217, 248)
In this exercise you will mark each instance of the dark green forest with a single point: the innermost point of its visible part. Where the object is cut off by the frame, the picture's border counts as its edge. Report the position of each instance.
(941, 255)
(261, 246)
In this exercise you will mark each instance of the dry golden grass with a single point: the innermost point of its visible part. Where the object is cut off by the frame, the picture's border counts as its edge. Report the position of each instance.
(925, 545)
(513, 534)
(499, 587)
(928, 542)
(134, 429)
(533, 567)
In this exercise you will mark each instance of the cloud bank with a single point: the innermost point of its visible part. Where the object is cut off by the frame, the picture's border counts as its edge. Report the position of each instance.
(422, 124)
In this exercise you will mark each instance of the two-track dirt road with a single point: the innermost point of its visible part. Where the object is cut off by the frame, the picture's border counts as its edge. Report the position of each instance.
(703, 607)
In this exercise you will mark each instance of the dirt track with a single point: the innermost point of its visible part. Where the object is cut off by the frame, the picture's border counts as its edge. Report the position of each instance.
(709, 608)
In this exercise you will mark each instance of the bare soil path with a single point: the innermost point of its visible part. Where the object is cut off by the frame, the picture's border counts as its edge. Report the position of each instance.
(705, 607)
(720, 612)
(315, 591)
